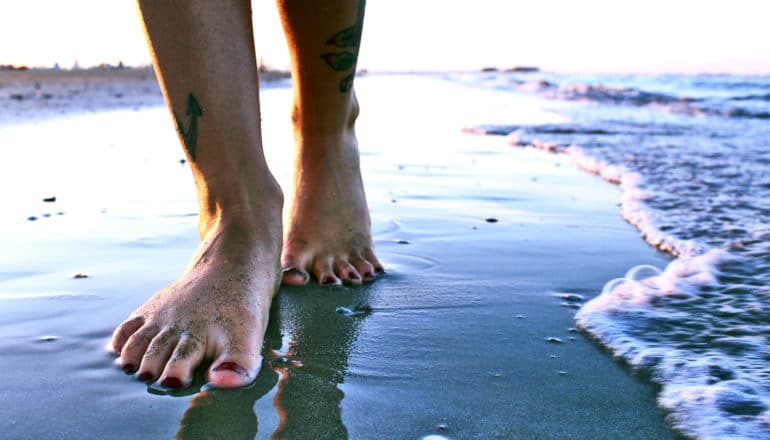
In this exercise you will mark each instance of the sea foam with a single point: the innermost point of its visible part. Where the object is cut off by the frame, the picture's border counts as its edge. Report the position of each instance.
(713, 378)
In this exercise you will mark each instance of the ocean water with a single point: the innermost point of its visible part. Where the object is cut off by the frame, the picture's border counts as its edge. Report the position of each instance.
(692, 156)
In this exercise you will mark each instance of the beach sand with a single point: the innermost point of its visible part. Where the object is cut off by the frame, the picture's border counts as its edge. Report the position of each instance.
(479, 238)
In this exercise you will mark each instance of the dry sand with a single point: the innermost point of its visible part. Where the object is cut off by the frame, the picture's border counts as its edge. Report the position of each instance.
(457, 343)
(37, 93)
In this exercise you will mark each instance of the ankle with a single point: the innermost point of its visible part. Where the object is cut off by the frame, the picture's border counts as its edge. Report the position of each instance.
(248, 211)
(325, 122)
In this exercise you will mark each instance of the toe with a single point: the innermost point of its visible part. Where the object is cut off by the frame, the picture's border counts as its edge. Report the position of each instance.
(364, 268)
(295, 277)
(157, 354)
(329, 279)
(124, 331)
(135, 347)
(234, 369)
(324, 273)
(369, 256)
(237, 357)
(189, 352)
(346, 272)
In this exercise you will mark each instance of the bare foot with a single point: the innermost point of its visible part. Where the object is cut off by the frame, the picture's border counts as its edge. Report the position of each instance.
(328, 227)
(217, 310)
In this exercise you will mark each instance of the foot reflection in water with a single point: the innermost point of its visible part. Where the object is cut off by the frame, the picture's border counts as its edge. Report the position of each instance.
(306, 354)
(226, 414)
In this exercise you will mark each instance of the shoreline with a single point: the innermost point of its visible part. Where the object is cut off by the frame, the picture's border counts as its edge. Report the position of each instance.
(41, 93)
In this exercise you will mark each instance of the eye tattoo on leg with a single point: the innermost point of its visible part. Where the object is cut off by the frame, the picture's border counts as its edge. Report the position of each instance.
(190, 135)
(345, 61)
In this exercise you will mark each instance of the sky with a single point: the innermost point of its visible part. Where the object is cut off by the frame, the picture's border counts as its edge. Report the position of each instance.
(625, 36)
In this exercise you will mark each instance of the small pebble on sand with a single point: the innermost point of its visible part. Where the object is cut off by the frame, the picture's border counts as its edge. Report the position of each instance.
(571, 297)
(79, 276)
(50, 199)
(491, 220)
(553, 340)
(47, 338)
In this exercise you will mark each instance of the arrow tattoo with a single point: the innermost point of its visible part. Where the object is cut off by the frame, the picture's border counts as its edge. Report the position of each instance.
(190, 136)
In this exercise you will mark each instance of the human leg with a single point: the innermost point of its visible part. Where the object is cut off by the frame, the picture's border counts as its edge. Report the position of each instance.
(328, 227)
(218, 309)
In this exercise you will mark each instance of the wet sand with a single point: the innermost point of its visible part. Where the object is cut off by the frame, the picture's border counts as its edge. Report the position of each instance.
(479, 239)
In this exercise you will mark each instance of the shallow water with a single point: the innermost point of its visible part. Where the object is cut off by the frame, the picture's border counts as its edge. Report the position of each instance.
(692, 155)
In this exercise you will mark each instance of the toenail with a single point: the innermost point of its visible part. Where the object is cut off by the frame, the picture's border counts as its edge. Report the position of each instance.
(328, 280)
(129, 368)
(145, 377)
(295, 271)
(230, 366)
(354, 276)
(368, 275)
(171, 382)
(379, 270)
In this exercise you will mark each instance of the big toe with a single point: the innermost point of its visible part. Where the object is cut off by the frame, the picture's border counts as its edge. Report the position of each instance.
(232, 371)
(293, 276)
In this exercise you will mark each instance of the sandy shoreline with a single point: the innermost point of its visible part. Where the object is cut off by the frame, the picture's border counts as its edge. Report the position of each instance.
(43, 93)
(458, 342)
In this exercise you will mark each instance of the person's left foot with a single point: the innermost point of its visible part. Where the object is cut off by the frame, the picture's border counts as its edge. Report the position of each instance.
(216, 311)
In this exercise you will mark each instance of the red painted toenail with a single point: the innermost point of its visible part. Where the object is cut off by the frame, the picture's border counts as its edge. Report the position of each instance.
(230, 366)
(171, 382)
(379, 270)
(354, 276)
(129, 368)
(328, 280)
(368, 275)
(145, 377)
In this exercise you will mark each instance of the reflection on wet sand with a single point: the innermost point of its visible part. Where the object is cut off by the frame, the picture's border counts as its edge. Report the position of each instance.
(306, 355)
(226, 414)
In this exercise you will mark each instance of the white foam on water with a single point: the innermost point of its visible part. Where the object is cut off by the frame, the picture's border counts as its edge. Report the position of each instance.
(633, 207)
(710, 384)
(714, 378)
